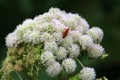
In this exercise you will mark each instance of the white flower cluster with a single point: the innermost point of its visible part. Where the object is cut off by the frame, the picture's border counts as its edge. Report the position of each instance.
(64, 36)
(69, 65)
(47, 58)
(87, 73)
(96, 34)
(54, 69)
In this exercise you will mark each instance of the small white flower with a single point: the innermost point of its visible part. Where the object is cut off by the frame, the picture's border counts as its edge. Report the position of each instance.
(87, 73)
(85, 41)
(72, 23)
(71, 20)
(84, 24)
(69, 64)
(47, 17)
(28, 24)
(47, 58)
(45, 37)
(50, 46)
(20, 30)
(45, 27)
(74, 50)
(59, 27)
(76, 35)
(56, 12)
(11, 39)
(31, 36)
(96, 33)
(95, 50)
(57, 36)
(54, 69)
(37, 18)
(79, 29)
(61, 54)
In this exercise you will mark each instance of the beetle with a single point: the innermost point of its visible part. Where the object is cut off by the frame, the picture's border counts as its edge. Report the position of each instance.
(65, 33)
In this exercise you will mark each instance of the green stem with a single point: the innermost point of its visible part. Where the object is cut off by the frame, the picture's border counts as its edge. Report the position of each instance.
(18, 75)
(80, 62)
(31, 71)
(67, 77)
(36, 70)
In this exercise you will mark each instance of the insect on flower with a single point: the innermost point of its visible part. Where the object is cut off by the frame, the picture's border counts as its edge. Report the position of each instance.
(65, 33)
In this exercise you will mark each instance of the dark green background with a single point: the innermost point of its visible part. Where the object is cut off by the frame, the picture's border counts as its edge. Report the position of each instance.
(102, 13)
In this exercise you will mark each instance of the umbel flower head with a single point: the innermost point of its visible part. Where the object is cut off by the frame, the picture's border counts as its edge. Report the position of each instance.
(47, 58)
(95, 50)
(96, 33)
(87, 73)
(54, 69)
(69, 65)
(52, 40)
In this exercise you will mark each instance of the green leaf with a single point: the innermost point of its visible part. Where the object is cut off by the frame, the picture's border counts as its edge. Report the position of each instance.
(104, 55)
(15, 75)
(76, 77)
(103, 78)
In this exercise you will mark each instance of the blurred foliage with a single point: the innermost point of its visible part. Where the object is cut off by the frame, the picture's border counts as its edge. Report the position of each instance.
(102, 13)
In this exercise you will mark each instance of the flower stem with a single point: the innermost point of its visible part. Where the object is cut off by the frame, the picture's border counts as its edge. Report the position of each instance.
(36, 69)
(80, 62)
(18, 75)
